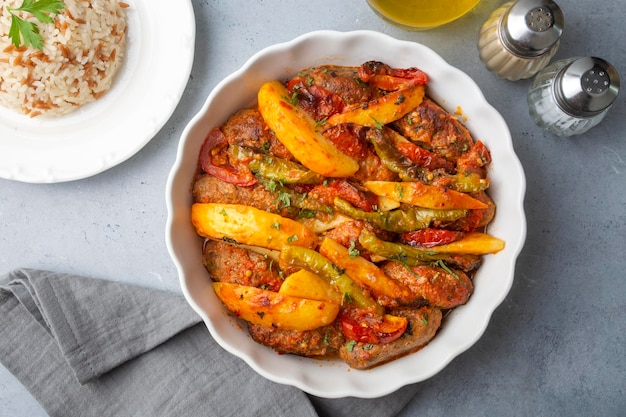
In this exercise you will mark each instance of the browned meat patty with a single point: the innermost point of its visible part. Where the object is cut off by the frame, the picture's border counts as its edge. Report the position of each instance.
(438, 287)
(476, 219)
(208, 189)
(343, 81)
(229, 263)
(423, 325)
(435, 129)
(347, 233)
(466, 263)
(317, 342)
(247, 128)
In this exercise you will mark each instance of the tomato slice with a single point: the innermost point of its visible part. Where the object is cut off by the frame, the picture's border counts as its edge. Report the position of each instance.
(349, 139)
(365, 326)
(214, 161)
(317, 101)
(427, 238)
(363, 199)
(477, 157)
(390, 79)
(423, 157)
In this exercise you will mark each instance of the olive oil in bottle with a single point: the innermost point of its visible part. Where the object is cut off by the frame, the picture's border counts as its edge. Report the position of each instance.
(421, 14)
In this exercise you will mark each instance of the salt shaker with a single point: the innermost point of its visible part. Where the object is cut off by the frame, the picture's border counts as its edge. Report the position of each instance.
(570, 96)
(519, 38)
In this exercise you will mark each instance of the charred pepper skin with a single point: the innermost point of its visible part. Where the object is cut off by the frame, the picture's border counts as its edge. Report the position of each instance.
(394, 160)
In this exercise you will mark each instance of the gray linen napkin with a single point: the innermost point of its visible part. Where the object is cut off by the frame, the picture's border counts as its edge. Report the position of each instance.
(91, 347)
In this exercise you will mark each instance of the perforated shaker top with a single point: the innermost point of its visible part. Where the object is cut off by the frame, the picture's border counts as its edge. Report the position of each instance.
(587, 86)
(531, 27)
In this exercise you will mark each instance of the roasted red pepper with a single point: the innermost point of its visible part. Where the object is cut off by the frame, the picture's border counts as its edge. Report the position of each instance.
(423, 157)
(362, 199)
(349, 139)
(365, 326)
(474, 159)
(391, 79)
(214, 160)
(427, 238)
(317, 101)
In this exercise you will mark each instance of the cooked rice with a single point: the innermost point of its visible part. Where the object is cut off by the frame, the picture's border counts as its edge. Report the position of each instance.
(82, 51)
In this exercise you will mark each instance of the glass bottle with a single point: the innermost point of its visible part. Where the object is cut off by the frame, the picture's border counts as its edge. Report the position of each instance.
(570, 96)
(519, 38)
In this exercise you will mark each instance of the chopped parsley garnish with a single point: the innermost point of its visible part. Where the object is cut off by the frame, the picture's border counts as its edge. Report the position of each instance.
(441, 264)
(346, 298)
(284, 199)
(271, 186)
(352, 250)
(306, 214)
(350, 345)
(293, 99)
(400, 190)
(338, 270)
(320, 123)
(378, 124)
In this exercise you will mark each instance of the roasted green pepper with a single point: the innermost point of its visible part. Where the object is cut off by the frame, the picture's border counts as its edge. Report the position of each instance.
(277, 169)
(409, 171)
(399, 220)
(394, 160)
(468, 183)
(313, 261)
(412, 256)
(397, 251)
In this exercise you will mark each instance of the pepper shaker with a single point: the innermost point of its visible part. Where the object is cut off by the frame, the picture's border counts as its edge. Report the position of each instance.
(571, 96)
(519, 38)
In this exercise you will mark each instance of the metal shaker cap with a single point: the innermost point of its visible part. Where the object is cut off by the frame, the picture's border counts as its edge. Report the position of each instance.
(586, 86)
(531, 27)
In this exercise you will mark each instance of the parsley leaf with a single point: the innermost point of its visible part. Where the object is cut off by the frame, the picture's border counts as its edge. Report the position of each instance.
(350, 345)
(378, 124)
(28, 31)
(353, 252)
(441, 264)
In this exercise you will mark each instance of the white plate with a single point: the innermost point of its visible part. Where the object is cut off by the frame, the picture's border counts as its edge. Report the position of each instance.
(104, 133)
(450, 87)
